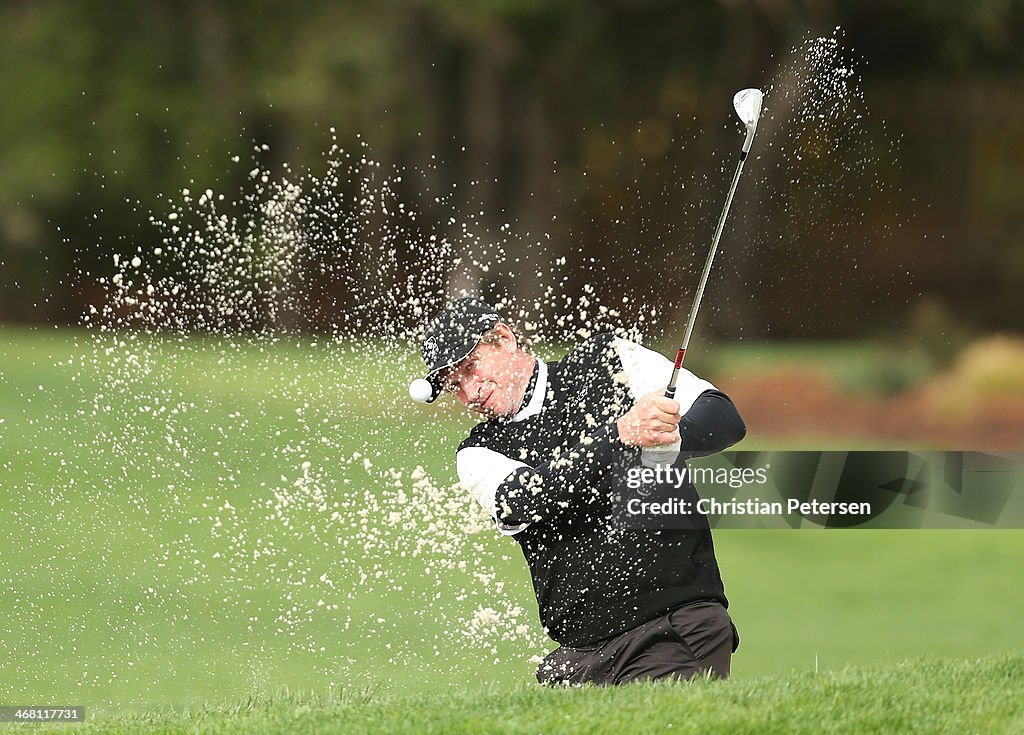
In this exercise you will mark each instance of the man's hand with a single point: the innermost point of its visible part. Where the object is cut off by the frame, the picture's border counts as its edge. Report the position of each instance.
(651, 422)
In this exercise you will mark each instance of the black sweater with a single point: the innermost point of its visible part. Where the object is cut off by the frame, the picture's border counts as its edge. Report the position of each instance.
(548, 477)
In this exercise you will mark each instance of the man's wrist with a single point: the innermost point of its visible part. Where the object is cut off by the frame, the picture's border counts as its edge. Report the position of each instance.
(616, 433)
(616, 437)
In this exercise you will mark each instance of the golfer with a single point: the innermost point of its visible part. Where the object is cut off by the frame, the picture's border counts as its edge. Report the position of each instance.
(623, 604)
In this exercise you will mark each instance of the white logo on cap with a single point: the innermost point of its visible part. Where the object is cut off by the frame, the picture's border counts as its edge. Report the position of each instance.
(430, 349)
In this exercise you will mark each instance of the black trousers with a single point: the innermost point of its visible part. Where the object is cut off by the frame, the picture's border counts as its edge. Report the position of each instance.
(695, 640)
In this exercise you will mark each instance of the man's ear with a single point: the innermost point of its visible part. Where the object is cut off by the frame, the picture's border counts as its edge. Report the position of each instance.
(508, 337)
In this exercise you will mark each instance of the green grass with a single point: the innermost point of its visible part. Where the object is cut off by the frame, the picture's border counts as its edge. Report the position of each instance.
(127, 583)
(871, 368)
(917, 696)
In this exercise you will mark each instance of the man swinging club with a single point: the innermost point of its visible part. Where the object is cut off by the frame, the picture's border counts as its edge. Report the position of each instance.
(623, 604)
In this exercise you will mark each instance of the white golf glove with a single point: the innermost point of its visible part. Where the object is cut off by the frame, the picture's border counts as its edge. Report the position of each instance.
(664, 455)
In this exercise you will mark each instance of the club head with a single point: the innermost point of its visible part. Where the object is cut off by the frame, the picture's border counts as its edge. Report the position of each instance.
(747, 103)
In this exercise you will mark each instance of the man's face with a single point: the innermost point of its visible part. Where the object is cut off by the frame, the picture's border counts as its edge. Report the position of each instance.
(492, 380)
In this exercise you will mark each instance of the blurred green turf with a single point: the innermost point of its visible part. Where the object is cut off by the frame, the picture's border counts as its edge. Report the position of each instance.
(126, 580)
(863, 367)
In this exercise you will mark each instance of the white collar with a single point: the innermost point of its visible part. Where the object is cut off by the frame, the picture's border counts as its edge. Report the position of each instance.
(540, 391)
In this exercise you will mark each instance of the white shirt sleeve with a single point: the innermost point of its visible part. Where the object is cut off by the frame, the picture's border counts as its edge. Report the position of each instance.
(481, 471)
(646, 371)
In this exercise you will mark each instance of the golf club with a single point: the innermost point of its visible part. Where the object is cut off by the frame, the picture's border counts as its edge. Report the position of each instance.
(747, 103)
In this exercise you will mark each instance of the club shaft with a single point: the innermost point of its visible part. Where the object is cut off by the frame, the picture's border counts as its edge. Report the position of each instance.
(670, 392)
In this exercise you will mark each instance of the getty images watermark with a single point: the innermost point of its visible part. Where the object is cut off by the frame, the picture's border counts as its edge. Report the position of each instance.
(815, 489)
(665, 497)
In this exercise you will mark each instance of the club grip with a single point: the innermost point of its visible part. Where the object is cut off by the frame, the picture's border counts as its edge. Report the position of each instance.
(670, 392)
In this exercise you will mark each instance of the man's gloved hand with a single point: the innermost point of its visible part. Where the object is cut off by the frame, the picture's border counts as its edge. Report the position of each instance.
(652, 422)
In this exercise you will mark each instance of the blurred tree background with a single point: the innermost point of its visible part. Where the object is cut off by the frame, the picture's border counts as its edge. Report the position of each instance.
(587, 114)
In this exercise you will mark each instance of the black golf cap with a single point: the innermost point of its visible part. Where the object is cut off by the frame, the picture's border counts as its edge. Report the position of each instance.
(452, 335)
